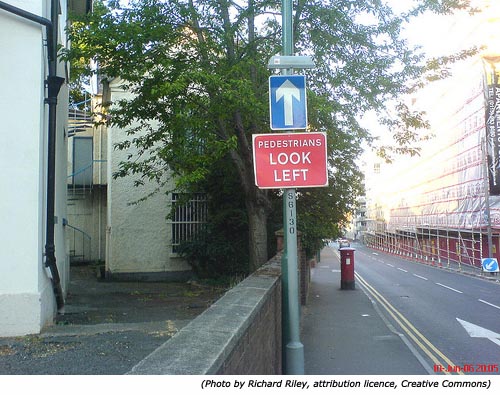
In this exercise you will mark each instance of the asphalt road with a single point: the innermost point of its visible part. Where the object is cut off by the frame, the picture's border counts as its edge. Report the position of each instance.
(452, 319)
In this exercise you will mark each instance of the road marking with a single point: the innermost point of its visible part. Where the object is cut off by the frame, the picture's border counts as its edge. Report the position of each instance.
(388, 264)
(422, 277)
(489, 304)
(478, 331)
(403, 270)
(428, 348)
(450, 288)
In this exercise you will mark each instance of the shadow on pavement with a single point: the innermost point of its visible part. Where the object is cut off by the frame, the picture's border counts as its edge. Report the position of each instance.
(107, 327)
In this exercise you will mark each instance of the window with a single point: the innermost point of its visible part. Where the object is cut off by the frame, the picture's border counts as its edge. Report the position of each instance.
(82, 161)
(189, 218)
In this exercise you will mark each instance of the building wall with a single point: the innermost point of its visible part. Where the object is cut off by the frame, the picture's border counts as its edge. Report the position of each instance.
(443, 186)
(27, 302)
(87, 213)
(434, 205)
(87, 204)
(436, 201)
(138, 239)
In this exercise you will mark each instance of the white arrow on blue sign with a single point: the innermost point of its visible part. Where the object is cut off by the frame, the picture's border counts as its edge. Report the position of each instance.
(490, 265)
(287, 102)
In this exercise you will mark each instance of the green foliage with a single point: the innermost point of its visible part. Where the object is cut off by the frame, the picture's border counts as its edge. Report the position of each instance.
(216, 252)
(197, 72)
(221, 248)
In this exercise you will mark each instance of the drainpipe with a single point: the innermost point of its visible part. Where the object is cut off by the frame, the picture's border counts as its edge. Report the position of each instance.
(53, 83)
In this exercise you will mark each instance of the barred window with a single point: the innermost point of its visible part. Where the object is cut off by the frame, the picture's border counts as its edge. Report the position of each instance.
(188, 219)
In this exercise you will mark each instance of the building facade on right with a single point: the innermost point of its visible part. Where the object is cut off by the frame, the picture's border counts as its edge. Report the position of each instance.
(444, 205)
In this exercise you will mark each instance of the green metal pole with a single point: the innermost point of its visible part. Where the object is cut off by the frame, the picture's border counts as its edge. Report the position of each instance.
(287, 26)
(294, 351)
(294, 362)
(285, 322)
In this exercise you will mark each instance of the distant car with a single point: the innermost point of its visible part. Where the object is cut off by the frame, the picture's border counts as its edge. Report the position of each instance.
(344, 243)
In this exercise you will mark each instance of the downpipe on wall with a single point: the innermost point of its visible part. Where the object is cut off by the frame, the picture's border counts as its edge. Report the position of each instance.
(53, 84)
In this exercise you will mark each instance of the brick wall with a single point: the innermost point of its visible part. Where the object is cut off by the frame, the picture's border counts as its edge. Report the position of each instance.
(239, 334)
(259, 351)
(304, 266)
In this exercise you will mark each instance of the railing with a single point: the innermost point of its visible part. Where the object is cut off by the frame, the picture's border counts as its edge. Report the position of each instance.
(80, 244)
(79, 119)
(456, 252)
(79, 188)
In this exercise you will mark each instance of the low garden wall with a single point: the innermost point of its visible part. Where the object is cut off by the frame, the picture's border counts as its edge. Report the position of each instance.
(239, 334)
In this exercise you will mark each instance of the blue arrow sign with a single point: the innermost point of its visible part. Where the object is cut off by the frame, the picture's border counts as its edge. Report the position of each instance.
(287, 102)
(490, 265)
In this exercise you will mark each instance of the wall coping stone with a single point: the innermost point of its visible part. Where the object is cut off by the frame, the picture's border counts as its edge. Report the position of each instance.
(202, 346)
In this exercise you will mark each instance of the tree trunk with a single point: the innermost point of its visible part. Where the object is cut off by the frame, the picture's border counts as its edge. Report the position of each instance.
(257, 234)
(257, 201)
(257, 206)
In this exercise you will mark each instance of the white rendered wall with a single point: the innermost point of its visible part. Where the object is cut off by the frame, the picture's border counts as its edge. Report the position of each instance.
(138, 235)
(26, 298)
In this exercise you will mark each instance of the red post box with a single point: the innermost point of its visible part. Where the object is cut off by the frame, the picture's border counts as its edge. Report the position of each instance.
(347, 268)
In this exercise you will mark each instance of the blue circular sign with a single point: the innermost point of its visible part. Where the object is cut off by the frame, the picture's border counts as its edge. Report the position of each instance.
(490, 265)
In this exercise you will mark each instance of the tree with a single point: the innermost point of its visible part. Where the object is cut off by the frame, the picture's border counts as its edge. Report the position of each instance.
(198, 72)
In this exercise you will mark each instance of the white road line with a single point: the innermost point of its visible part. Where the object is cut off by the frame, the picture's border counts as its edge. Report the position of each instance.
(489, 304)
(423, 278)
(450, 288)
(403, 270)
(388, 264)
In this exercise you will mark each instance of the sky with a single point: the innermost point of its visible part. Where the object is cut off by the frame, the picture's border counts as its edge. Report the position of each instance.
(440, 35)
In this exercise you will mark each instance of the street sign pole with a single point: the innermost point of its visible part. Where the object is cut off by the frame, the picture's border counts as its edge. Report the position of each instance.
(294, 351)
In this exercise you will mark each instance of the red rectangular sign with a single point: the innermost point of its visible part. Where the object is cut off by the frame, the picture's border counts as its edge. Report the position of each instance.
(290, 160)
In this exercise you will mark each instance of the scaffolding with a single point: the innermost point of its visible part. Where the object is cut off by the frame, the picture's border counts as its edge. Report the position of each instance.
(443, 210)
(445, 247)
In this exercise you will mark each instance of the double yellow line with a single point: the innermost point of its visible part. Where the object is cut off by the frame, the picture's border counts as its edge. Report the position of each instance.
(420, 340)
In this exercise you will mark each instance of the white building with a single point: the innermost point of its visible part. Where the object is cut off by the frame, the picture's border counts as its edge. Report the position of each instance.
(436, 205)
(108, 219)
(27, 298)
(140, 240)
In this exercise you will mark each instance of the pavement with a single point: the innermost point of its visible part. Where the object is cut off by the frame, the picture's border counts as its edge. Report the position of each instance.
(344, 332)
(109, 327)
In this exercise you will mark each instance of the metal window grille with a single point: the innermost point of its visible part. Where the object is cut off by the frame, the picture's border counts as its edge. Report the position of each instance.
(189, 218)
